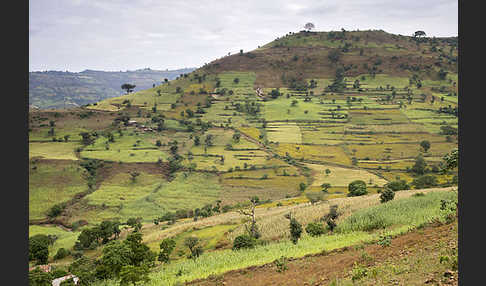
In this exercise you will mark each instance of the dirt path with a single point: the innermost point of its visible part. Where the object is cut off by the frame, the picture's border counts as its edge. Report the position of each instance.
(321, 269)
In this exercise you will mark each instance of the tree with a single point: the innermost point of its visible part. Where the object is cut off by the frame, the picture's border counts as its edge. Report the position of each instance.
(325, 187)
(387, 195)
(309, 26)
(244, 241)
(397, 185)
(425, 145)
(39, 248)
(419, 166)
(334, 55)
(419, 34)
(116, 255)
(128, 87)
(425, 181)
(192, 243)
(328, 172)
(302, 186)
(357, 188)
(295, 228)
(133, 274)
(134, 175)
(251, 228)
(451, 160)
(166, 247)
(38, 277)
(315, 229)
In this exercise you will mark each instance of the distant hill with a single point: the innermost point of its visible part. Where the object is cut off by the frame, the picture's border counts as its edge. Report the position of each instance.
(57, 89)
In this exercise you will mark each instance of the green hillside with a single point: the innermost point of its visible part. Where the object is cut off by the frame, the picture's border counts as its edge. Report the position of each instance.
(294, 121)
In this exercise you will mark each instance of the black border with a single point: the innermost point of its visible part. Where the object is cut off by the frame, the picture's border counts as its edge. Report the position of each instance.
(15, 99)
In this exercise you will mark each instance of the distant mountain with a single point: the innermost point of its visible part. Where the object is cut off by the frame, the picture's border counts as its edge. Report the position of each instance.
(58, 89)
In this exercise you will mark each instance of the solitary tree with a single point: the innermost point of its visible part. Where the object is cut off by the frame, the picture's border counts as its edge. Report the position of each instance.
(309, 26)
(325, 187)
(166, 247)
(295, 228)
(419, 34)
(128, 87)
(192, 243)
(357, 188)
(425, 145)
(387, 195)
(252, 227)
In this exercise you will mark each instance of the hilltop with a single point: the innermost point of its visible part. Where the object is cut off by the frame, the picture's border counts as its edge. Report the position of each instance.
(58, 89)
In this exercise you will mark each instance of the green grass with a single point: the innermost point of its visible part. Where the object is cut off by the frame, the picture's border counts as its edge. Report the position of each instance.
(411, 211)
(65, 239)
(151, 196)
(53, 150)
(51, 184)
(218, 262)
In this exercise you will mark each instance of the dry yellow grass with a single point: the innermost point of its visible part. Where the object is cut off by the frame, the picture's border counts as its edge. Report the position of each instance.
(334, 154)
(342, 176)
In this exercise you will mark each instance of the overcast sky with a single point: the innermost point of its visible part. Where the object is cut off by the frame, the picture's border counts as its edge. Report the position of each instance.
(115, 35)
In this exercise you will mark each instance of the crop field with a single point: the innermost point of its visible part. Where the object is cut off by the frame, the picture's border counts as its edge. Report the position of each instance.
(283, 132)
(390, 116)
(342, 176)
(398, 151)
(51, 184)
(53, 150)
(320, 153)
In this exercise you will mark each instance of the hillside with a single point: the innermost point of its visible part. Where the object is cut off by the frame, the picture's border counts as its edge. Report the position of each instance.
(57, 89)
(294, 123)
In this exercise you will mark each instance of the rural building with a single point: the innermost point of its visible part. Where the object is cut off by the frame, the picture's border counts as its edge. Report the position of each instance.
(58, 281)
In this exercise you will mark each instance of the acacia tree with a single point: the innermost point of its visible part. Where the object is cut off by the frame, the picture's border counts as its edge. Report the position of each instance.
(425, 145)
(309, 26)
(128, 87)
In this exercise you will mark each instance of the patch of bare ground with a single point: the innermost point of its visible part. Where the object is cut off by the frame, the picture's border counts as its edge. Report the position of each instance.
(322, 269)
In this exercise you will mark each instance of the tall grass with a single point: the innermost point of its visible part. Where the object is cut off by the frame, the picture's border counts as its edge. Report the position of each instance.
(394, 216)
(411, 211)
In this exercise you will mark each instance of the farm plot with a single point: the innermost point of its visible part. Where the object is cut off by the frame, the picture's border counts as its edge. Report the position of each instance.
(211, 158)
(151, 196)
(274, 183)
(53, 150)
(398, 151)
(342, 176)
(389, 116)
(283, 132)
(131, 147)
(51, 183)
(321, 153)
(281, 109)
(222, 112)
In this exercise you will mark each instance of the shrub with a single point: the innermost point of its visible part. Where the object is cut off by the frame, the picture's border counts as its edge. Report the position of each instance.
(166, 247)
(315, 229)
(61, 253)
(358, 272)
(425, 181)
(295, 230)
(387, 195)
(244, 241)
(397, 185)
(384, 241)
(357, 188)
(281, 264)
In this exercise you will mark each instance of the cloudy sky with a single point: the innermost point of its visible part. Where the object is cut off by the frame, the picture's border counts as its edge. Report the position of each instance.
(115, 35)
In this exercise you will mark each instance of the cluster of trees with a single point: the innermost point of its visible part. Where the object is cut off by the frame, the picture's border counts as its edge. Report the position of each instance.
(338, 83)
(251, 108)
(206, 211)
(90, 238)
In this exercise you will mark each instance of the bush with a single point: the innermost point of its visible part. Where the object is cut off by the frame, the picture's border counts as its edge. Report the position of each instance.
(357, 188)
(397, 185)
(61, 253)
(425, 181)
(387, 195)
(166, 247)
(315, 229)
(244, 241)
